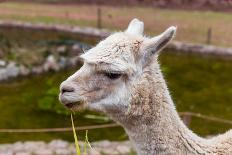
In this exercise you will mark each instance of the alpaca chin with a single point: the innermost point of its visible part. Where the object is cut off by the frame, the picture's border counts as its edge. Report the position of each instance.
(76, 106)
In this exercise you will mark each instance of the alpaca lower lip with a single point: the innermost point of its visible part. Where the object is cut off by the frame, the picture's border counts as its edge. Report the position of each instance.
(74, 105)
(71, 104)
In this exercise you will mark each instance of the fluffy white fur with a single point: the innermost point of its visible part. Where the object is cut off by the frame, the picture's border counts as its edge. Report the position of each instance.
(121, 77)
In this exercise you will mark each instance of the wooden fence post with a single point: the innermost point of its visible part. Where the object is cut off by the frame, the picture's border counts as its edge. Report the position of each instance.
(209, 36)
(187, 119)
(99, 18)
(67, 14)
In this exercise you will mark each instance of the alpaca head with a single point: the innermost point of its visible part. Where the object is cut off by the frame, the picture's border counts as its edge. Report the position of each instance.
(111, 69)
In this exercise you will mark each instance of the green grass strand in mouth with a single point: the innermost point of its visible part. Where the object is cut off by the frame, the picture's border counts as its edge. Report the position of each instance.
(75, 137)
(87, 140)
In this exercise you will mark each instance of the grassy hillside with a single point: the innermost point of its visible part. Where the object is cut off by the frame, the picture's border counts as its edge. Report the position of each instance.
(192, 25)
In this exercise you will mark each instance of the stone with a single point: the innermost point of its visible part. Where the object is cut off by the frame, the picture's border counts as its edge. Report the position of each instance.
(33, 146)
(3, 74)
(60, 147)
(5, 147)
(12, 70)
(22, 153)
(43, 151)
(37, 69)
(18, 146)
(73, 61)
(63, 62)
(110, 151)
(72, 148)
(93, 152)
(76, 49)
(58, 144)
(123, 149)
(61, 49)
(2, 63)
(9, 152)
(102, 144)
(62, 151)
(51, 64)
(23, 70)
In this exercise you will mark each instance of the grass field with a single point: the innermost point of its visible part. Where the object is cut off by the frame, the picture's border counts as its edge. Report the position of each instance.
(192, 25)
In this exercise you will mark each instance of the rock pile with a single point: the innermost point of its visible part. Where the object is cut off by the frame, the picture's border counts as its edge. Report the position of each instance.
(60, 147)
(55, 61)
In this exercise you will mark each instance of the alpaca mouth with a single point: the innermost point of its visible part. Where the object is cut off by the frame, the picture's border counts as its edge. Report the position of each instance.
(75, 106)
(71, 105)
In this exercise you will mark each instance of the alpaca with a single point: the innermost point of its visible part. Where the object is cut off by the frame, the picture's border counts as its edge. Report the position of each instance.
(121, 77)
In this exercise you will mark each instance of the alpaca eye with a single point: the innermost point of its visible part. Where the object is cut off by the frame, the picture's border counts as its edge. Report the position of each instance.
(112, 75)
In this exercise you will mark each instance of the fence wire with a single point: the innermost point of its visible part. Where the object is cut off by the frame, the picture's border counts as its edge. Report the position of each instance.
(110, 125)
(67, 129)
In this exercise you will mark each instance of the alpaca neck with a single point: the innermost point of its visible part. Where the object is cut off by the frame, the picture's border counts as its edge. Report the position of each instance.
(153, 124)
(163, 133)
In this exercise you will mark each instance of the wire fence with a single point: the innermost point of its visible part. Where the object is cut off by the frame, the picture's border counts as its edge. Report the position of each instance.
(205, 117)
(67, 129)
(185, 115)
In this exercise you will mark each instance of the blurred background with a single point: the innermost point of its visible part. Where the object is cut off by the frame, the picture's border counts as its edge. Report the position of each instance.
(41, 39)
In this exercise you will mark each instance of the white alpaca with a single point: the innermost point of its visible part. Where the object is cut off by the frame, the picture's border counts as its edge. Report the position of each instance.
(121, 77)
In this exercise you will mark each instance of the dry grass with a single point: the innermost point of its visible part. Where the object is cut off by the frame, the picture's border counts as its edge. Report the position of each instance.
(192, 25)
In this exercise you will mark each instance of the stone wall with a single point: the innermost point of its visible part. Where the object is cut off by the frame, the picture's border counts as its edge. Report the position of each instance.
(21, 57)
(60, 147)
(59, 59)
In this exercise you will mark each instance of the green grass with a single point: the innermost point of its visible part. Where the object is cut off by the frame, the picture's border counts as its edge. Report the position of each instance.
(87, 143)
(19, 109)
(48, 20)
(192, 25)
(78, 151)
(201, 85)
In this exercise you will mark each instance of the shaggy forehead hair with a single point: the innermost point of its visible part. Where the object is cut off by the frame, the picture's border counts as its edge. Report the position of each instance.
(117, 53)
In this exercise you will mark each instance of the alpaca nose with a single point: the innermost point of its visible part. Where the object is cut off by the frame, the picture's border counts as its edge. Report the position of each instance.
(66, 89)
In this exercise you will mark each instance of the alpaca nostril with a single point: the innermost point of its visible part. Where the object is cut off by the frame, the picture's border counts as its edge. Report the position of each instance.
(66, 89)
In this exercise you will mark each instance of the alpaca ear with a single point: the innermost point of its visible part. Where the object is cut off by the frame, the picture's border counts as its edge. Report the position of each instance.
(156, 44)
(135, 27)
